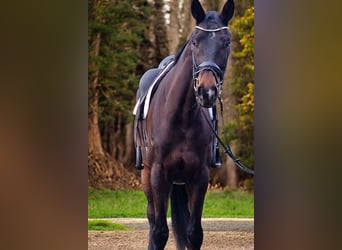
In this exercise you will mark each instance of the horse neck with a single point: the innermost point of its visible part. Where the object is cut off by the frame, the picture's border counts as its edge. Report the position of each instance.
(180, 88)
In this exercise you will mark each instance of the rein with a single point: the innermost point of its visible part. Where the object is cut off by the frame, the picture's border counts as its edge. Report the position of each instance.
(227, 149)
(219, 75)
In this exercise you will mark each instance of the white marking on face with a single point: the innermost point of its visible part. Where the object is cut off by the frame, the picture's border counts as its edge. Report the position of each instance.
(213, 35)
(211, 93)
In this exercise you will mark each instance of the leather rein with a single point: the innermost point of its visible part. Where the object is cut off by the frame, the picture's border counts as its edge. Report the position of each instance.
(219, 75)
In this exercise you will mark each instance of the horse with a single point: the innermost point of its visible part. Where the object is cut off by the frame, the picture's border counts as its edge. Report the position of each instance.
(176, 142)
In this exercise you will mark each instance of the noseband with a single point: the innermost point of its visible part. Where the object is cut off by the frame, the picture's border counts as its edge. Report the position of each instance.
(207, 65)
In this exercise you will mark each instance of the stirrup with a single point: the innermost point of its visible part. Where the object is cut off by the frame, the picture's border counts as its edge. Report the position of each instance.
(216, 161)
(138, 158)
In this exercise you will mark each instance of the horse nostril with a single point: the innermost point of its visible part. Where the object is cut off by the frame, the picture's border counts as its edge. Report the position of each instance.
(201, 90)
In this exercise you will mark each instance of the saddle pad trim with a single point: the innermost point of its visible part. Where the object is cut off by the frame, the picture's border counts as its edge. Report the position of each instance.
(149, 93)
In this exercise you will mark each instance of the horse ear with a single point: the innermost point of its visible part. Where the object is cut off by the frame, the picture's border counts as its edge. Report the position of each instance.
(197, 11)
(227, 11)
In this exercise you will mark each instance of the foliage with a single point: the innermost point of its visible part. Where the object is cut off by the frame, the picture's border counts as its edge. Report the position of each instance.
(105, 225)
(104, 203)
(243, 84)
(121, 27)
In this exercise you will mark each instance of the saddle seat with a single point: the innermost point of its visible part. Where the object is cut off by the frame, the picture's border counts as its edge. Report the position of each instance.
(148, 84)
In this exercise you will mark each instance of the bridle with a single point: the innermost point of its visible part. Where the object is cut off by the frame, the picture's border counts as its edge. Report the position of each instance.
(219, 75)
(207, 65)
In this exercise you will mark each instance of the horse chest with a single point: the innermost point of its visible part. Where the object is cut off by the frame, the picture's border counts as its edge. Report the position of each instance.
(182, 163)
(186, 153)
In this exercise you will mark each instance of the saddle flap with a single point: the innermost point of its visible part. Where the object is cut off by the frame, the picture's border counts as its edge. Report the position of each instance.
(145, 99)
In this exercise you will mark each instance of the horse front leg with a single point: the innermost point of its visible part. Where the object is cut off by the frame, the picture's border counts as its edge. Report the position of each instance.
(151, 221)
(161, 190)
(196, 200)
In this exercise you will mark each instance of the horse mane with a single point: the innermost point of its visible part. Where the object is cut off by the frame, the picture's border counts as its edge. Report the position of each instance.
(180, 51)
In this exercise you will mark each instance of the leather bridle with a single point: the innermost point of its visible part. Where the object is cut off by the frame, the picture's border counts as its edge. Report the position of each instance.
(207, 65)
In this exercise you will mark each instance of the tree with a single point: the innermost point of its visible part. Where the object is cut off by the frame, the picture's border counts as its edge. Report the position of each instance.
(116, 30)
(173, 28)
(96, 154)
(243, 89)
(95, 35)
(162, 48)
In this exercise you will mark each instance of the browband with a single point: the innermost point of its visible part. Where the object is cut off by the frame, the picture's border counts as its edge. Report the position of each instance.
(211, 30)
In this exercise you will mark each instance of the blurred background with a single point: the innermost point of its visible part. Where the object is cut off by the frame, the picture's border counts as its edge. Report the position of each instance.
(45, 116)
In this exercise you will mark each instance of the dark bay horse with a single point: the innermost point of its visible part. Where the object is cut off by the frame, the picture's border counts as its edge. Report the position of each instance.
(177, 142)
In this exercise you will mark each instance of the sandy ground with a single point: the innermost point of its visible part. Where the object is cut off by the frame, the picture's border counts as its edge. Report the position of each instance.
(230, 234)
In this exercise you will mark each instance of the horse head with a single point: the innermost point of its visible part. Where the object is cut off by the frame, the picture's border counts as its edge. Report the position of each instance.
(210, 45)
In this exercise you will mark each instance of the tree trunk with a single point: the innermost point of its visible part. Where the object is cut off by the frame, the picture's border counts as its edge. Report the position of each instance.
(129, 157)
(187, 21)
(174, 26)
(94, 138)
(98, 171)
(211, 5)
(162, 48)
(230, 114)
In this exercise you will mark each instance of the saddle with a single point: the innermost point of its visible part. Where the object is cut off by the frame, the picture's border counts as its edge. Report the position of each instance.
(148, 84)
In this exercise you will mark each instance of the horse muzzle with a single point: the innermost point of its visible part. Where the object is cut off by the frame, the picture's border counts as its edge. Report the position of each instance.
(206, 89)
(206, 97)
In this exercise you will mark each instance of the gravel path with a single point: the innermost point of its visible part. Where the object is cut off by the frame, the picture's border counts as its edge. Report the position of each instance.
(222, 233)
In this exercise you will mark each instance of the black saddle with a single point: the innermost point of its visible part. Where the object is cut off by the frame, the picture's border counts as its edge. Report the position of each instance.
(148, 78)
(151, 76)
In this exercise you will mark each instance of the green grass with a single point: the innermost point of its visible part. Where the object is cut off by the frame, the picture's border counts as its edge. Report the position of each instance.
(132, 203)
(103, 203)
(228, 204)
(104, 225)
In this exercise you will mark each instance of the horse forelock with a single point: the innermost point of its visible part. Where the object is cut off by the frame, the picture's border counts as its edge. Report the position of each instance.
(212, 20)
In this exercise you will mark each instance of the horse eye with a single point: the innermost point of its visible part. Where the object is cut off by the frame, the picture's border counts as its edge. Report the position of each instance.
(194, 43)
(227, 44)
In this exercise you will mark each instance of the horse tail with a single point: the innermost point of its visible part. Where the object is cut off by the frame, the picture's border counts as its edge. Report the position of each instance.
(179, 214)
